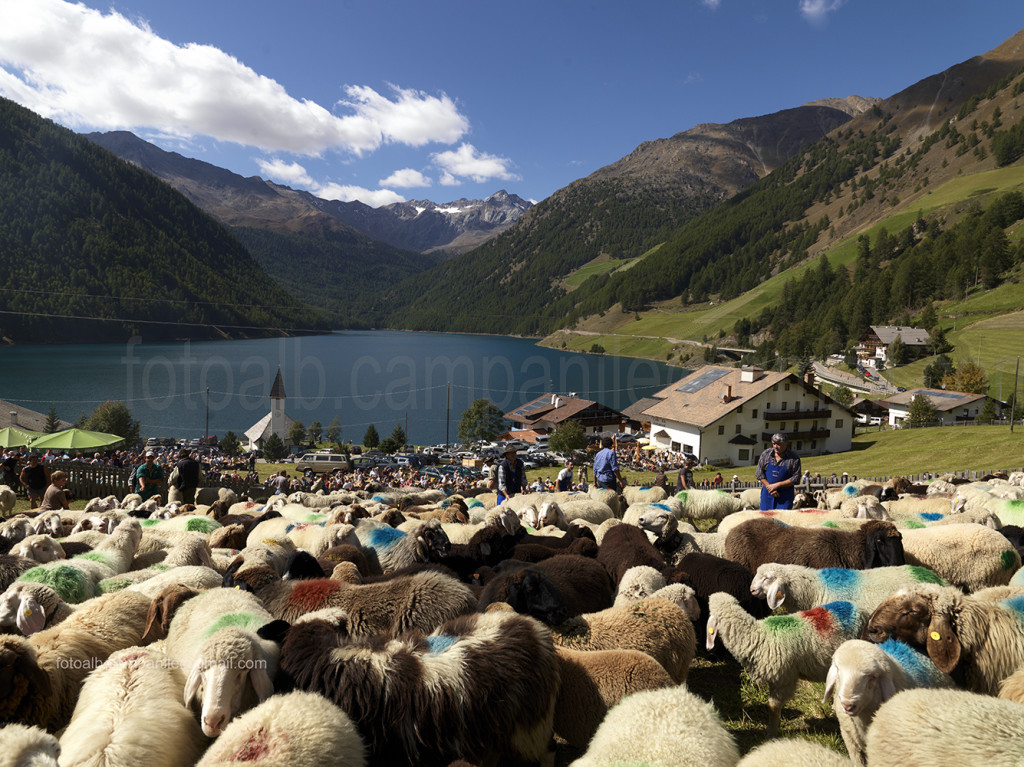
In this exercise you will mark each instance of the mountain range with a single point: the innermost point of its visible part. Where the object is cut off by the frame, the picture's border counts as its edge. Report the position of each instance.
(687, 238)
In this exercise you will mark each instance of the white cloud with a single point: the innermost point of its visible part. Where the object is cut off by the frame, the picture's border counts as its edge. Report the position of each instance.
(712, 4)
(87, 69)
(817, 10)
(290, 173)
(405, 178)
(372, 197)
(466, 161)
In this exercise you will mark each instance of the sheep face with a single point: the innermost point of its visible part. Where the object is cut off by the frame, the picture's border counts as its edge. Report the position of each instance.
(767, 585)
(661, 523)
(432, 543)
(531, 593)
(16, 530)
(551, 514)
(860, 677)
(41, 548)
(913, 618)
(529, 516)
(49, 524)
(227, 678)
(19, 609)
(883, 545)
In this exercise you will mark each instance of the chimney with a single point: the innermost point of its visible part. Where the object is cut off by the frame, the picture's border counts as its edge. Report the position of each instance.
(809, 378)
(558, 401)
(749, 375)
(726, 393)
(553, 398)
(14, 417)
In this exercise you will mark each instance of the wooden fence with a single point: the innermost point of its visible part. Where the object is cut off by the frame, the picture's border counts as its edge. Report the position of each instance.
(87, 480)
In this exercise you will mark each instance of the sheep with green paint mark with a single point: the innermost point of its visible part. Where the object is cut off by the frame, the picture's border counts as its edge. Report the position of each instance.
(708, 504)
(26, 608)
(78, 578)
(218, 637)
(780, 650)
(968, 556)
(795, 587)
(188, 523)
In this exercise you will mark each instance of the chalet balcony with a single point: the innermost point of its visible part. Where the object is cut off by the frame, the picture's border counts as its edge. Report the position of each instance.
(795, 415)
(798, 435)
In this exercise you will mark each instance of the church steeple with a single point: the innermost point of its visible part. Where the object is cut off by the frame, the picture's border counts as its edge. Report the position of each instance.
(278, 425)
(277, 389)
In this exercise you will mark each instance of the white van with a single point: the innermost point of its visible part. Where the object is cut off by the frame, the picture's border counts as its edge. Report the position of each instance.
(323, 463)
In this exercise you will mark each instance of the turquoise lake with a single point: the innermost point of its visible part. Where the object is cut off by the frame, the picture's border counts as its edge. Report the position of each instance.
(378, 377)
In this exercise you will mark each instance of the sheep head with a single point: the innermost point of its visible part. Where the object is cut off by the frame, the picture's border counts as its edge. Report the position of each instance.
(26, 692)
(41, 548)
(26, 606)
(924, 617)
(233, 672)
(432, 542)
(551, 514)
(883, 545)
(49, 524)
(529, 516)
(768, 585)
(662, 523)
(530, 592)
(860, 676)
(16, 529)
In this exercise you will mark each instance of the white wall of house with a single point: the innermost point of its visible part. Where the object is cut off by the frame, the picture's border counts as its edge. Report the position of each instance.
(749, 420)
(897, 413)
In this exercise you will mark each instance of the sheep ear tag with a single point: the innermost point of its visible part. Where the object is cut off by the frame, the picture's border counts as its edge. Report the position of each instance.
(712, 628)
(30, 618)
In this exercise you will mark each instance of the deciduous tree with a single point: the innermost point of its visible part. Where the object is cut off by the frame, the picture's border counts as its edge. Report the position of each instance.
(480, 421)
(568, 437)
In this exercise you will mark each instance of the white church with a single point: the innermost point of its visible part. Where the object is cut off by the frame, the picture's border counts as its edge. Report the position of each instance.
(275, 422)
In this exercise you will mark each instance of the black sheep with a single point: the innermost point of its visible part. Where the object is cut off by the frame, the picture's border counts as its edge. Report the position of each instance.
(626, 546)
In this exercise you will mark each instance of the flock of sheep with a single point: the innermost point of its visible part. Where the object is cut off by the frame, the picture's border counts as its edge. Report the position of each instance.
(396, 627)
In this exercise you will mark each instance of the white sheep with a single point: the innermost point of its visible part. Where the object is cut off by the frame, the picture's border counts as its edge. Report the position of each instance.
(298, 729)
(675, 541)
(793, 752)
(502, 517)
(661, 728)
(864, 675)
(214, 636)
(969, 556)
(598, 530)
(612, 499)
(23, 746)
(130, 713)
(586, 509)
(41, 548)
(795, 587)
(31, 607)
(932, 727)
(782, 649)
(313, 537)
(643, 582)
(7, 500)
(634, 494)
(707, 504)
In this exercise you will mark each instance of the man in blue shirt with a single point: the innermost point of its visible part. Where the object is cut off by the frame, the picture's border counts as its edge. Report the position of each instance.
(606, 467)
(511, 475)
(778, 471)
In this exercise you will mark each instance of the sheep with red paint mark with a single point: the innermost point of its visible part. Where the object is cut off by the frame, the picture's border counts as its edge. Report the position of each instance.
(782, 649)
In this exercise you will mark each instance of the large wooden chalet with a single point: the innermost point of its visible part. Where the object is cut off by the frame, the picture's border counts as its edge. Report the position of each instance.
(540, 416)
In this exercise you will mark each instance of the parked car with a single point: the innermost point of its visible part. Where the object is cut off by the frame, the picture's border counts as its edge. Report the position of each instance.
(323, 463)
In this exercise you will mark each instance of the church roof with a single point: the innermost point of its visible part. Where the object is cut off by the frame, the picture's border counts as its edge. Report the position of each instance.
(277, 390)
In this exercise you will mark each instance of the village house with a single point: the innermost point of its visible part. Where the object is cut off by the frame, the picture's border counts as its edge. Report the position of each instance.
(536, 419)
(952, 407)
(872, 349)
(723, 414)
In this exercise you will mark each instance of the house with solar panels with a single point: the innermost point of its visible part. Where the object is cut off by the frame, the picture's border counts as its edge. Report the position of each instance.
(728, 415)
(951, 407)
(535, 420)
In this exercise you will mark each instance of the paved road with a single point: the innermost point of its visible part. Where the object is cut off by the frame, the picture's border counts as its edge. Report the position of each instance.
(836, 376)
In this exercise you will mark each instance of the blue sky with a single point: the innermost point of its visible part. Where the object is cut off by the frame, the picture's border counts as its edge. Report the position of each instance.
(383, 100)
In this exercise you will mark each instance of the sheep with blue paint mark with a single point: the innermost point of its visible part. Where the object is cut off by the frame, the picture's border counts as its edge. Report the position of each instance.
(675, 542)
(635, 494)
(780, 650)
(314, 537)
(388, 549)
(795, 587)
(863, 676)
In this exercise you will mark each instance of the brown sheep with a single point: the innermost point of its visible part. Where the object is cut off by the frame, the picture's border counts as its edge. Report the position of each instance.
(757, 541)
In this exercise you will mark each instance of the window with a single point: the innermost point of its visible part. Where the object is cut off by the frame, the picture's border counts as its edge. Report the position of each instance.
(738, 427)
(839, 423)
(784, 405)
(739, 409)
(744, 455)
(687, 448)
(775, 388)
(675, 447)
(754, 414)
(814, 444)
(782, 426)
(721, 428)
(799, 445)
(787, 387)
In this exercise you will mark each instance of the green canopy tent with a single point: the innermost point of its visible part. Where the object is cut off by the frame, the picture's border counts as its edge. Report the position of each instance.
(12, 436)
(74, 439)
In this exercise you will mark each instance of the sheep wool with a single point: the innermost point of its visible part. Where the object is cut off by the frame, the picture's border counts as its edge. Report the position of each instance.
(933, 727)
(969, 556)
(23, 746)
(297, 729)
(782, 649)
(793, 752)
(661, 728)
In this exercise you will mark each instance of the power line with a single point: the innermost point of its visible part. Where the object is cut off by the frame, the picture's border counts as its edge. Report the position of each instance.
(214, 326)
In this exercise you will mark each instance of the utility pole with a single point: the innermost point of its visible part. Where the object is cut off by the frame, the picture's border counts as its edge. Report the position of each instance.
(447, 414)
(207, 432)
(406, 429)
(1013, 399)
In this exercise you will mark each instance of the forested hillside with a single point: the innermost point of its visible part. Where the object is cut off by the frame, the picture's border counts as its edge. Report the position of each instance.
(882, 163)
(343, 273)
(95, 249)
